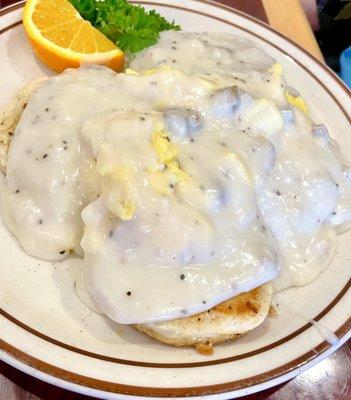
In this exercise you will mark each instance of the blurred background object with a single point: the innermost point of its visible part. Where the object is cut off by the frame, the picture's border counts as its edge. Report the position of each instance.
(345, 66)
(310, 8)
(331, 21)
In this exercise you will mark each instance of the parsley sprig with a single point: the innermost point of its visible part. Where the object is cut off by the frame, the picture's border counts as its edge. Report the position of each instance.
(129, 26)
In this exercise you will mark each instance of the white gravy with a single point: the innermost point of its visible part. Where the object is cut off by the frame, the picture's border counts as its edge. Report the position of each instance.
(180, 189)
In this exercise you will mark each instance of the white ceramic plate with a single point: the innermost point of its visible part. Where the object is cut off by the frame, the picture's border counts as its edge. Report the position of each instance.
(47, 332)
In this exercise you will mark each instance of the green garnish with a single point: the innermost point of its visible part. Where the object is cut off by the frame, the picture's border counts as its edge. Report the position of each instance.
(129, 26)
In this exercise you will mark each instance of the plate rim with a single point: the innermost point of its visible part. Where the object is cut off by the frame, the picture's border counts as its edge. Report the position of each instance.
(135, 363)
(127, 391)
(297, 364)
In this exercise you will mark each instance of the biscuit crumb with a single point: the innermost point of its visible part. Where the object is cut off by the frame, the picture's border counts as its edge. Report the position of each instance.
(206, 349)
(272, 312)
(10, 114)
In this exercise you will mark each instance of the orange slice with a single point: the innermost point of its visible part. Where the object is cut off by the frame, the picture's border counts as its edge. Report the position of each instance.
(62, 39)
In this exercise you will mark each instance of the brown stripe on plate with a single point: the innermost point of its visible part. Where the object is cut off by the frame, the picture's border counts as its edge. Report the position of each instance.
(178, 365)
(252, 7)
(212, 362)
(10, 27)
(169, 391)
(11, 8)
(219, 388)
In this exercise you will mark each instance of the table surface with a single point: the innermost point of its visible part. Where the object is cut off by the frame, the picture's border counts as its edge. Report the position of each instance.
(328, 380)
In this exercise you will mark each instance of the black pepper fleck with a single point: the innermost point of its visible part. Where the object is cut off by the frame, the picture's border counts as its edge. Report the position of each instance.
(171, 185)
(182, 277)
(40, 221)
(129, 293)
(45, 155)
(278, 192)
(46, 109)
(142, 118)
(62, 251)
(110, 233)
(17, 191)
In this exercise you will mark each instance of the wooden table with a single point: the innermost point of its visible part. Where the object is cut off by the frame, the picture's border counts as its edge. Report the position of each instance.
(330, 379)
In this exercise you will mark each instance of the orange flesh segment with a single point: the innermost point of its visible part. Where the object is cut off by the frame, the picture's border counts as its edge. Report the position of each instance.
(62, 39)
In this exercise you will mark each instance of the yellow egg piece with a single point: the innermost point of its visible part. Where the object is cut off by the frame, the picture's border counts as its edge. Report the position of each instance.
(298, 102)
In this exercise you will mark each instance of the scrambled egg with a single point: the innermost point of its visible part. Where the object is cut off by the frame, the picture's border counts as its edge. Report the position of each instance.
(276, 69)
(147, 72)
(298, 102)
(166, 151)
(168, 155)
(117, 180)
(115, 185)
